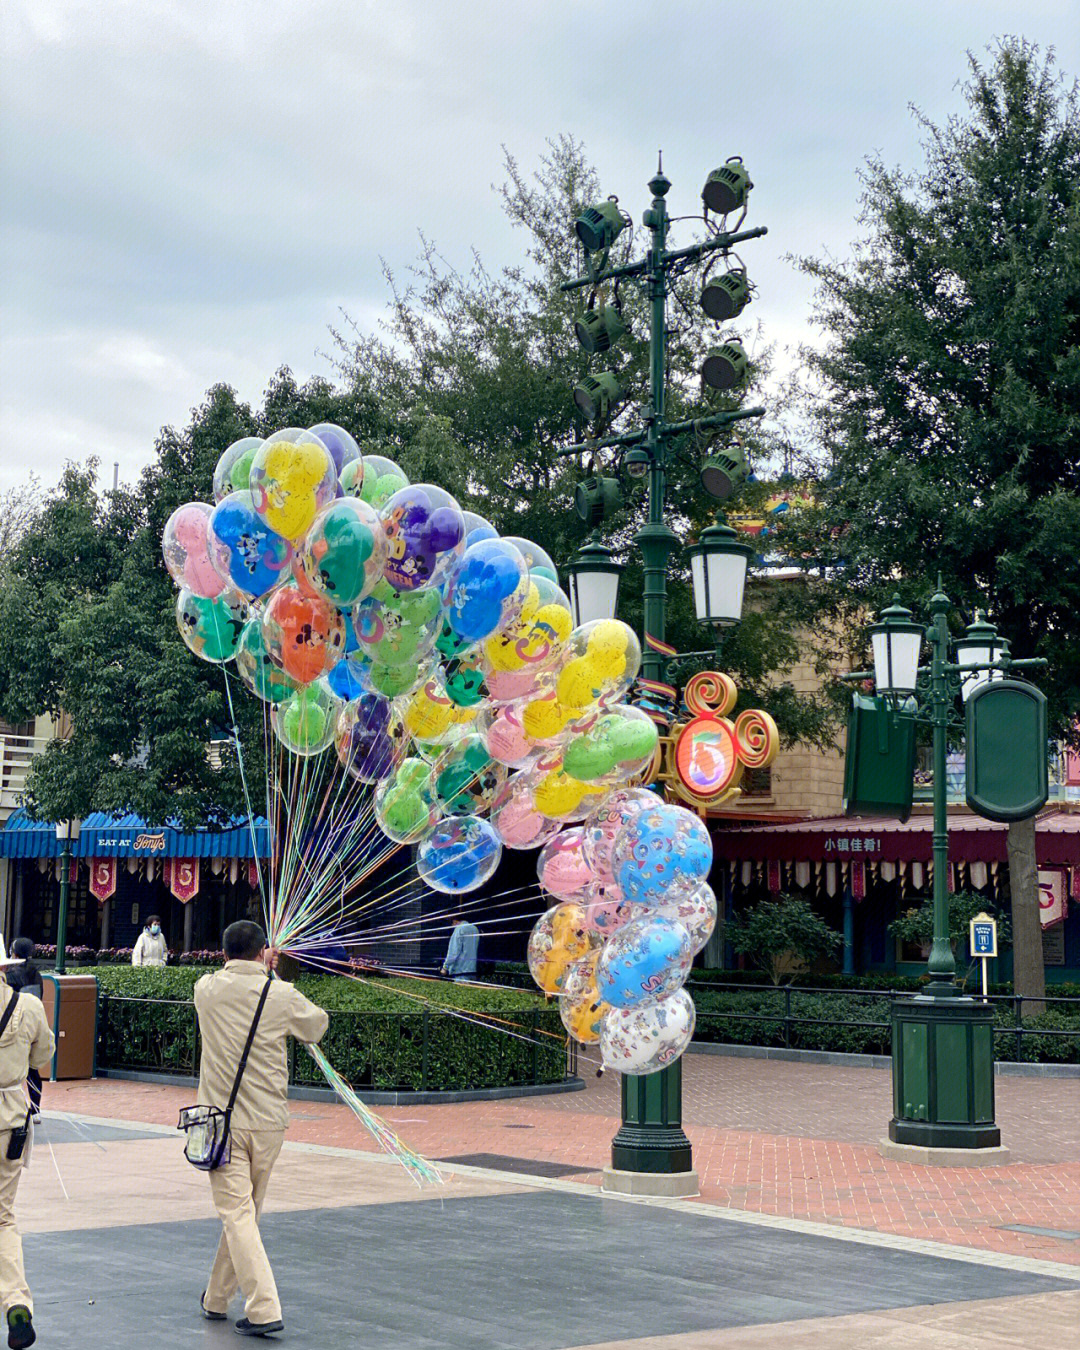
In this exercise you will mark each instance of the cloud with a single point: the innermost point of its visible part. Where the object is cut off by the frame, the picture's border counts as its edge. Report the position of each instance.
(189, 192)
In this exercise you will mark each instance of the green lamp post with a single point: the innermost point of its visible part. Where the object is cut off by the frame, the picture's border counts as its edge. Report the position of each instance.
(651, 1154)
(942, 1041)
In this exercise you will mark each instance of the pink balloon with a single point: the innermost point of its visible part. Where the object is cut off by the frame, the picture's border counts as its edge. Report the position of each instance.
(507, 686)
(562, 868)
(186, 548)
(605, 909)
(505, 738)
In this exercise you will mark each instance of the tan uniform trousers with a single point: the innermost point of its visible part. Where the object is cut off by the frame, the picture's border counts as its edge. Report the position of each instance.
(13, 1288)
(239, 1189)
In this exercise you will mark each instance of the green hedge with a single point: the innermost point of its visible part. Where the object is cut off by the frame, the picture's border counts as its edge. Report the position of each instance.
(380, 1037)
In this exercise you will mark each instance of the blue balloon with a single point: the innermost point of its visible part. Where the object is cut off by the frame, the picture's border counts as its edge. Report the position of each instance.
(489, 574)
(244, 549)
(477, 528)
(459, 855)
(658, 846)
(643, 961)
(349, 679)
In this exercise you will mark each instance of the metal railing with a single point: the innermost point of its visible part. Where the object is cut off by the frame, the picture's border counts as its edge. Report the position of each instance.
(425, 1051)
(790, 1010)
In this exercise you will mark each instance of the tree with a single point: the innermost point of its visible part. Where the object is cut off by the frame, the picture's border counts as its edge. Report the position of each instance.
(483, 366)
(779, 934)
(917, 924)
(948, 402)
(88, 627)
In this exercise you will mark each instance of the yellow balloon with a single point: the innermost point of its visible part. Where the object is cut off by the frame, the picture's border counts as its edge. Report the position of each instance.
(545, 718)
(557, 794)
(568, 930)
(427, 718)
(292, 473)
(582, 1017)
(579, 683)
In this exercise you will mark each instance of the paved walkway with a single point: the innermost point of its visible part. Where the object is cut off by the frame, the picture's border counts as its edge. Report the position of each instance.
(791, 1140)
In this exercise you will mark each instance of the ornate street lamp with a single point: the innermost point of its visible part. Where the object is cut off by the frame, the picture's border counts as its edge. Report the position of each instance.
(593, 580)
(718, 563)
(896, 640)
(979, 648)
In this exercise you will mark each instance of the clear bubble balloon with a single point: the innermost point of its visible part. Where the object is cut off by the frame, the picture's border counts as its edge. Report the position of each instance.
(460, 854)
(694, 906)
(645, 1040)
(185, 546)
(536, 559)
(306, 721)
(644, 960)
(602, 661)
(558, 939)
(374, 479)
(369, 740)
(467, 778)
(406, 809)
(606, 910)
(602, 827)
(304, 636)
(234, 467)
(561, 866)
(211, 627)
(398, 628)
(486, 589)
(426, 533)
(557, 795)
(611, 746)
(430, 715)
(528, 646)
(580, 1005)
(517, 822)
(660, 846)
(246, 552)
(255, 668)
(343, 448)
(477, 528)
(292, 479)
(505, 736)
(344, 552)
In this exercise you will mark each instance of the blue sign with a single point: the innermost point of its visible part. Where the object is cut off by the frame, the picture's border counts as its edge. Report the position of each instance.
(983, 936)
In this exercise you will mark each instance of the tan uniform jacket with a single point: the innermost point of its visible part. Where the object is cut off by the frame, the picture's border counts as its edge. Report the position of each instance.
(27, 1043)
(225, 1002)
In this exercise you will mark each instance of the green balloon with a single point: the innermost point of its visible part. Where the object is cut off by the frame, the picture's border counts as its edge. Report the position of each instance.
(241, 470)
(404, 810)
(256, 669)
(631, 738)
(413, 773)
(586, 759)
(303, 722)
(394, 680)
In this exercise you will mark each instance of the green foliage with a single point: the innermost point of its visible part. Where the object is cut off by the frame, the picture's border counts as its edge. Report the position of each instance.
(475, 374)
(948, 391)
(774, 931)
(917, 925)
(377, 1034)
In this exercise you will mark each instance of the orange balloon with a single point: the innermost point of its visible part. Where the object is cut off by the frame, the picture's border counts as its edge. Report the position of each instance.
(304, 635)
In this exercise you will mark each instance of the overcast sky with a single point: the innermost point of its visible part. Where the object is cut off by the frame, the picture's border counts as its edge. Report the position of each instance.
(193, 189)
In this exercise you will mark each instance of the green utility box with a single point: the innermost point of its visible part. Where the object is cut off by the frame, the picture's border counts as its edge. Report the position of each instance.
(1008, 771)
(879, 771)
(943, 1073)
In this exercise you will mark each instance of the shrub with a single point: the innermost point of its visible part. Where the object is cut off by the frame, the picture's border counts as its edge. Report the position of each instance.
(777, 930)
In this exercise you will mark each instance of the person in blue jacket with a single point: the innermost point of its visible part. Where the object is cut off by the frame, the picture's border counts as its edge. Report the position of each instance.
(460, 963)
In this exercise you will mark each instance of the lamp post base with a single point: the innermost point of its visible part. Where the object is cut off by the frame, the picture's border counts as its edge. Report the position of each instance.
(670, 1185)
(944, 1157)
(943, 1074)
(651, 1139)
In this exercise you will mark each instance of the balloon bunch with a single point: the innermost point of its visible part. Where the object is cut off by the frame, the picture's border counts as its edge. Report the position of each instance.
(439, 660)
(634, 908)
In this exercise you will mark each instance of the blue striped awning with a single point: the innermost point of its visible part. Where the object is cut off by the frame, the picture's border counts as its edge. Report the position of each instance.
(129, 836)
(22, 837)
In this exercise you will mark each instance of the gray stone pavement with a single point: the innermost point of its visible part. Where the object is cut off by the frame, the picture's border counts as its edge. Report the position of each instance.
(523, 1270)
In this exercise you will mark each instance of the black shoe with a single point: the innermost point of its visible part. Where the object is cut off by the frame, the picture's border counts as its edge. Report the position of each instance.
(246, 1328)
(210, 1316)
(21, 1331)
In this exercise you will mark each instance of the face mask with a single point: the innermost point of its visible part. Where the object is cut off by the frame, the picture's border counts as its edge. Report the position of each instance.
(154, 929)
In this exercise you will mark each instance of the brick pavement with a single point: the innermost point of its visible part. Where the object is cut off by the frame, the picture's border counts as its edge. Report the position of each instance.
(770, 1137)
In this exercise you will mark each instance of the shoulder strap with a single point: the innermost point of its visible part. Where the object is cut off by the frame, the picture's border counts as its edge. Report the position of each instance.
(6, 1018)
(247, 1049)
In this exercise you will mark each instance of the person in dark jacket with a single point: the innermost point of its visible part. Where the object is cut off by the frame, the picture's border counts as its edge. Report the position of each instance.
(26, 978)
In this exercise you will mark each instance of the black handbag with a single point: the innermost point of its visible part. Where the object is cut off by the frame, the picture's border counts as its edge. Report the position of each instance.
(207, 1145)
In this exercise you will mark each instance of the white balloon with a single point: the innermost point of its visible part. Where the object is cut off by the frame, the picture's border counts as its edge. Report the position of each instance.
(643, 1040)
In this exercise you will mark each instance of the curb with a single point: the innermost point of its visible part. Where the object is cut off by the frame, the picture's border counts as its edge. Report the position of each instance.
(373, 1098)
(1002, 1068)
